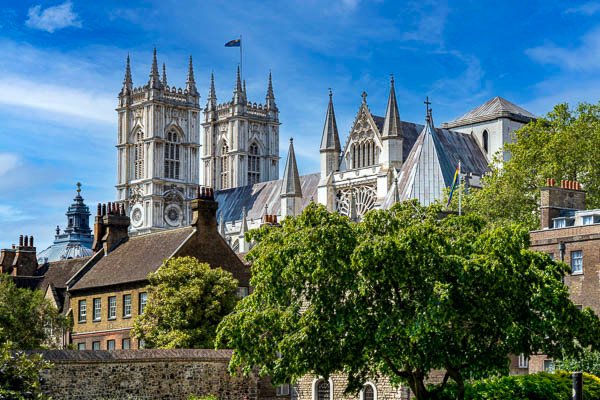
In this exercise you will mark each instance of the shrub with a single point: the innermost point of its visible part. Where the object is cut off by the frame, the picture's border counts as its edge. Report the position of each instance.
(540, 386)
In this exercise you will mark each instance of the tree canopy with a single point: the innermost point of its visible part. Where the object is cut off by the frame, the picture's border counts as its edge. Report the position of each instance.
(186, 301)
(561, 145)
(400, 294)
(25, 317)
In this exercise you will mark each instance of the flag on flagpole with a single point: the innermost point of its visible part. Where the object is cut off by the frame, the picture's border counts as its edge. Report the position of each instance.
(454, 184)
(234, 43)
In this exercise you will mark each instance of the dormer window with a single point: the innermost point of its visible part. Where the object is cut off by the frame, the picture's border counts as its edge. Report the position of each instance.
(560, 223)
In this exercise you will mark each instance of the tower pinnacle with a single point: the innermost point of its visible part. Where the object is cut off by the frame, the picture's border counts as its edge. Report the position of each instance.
(270, 99)
(238, 94)
(164, 75)
(391, 125)
(154, 81)
(211, 101)
(127, 81)
(190, 84)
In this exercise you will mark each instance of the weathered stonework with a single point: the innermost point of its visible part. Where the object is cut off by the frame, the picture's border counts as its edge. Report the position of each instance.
(147, 374)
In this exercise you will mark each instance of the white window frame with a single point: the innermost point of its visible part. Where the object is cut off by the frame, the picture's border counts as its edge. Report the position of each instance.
(242, 291)
(126, 340)
(126, 306)
(523, 361)
(551, 365)
(587, 220)
(82, 311)
(108, 344)
(143, 299)
(362, 392)
(81, 346)
(577, 260)
(560, 223)
(314, 388)
(98, 344)
(282, 390)
(97, 309)
(112, 307)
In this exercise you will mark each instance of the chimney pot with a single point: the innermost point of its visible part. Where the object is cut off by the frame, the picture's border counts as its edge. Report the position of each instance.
(103, 209)
(31, 241)
(552, 182)
(99, 212)
(25, 240)
(20, 240)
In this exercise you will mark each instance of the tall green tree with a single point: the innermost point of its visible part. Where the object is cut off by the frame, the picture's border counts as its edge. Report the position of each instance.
(186, 301)
(26, 317)
(561, 145)
(399, 295)
(20, 374)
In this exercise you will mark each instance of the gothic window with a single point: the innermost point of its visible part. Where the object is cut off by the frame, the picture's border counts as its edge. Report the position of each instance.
(485, 140)
(323, 389)
(368, 392)
(139, 155)
(253, 165)
(172, 164)
(224, 166)
(363, 154)
(364, 200)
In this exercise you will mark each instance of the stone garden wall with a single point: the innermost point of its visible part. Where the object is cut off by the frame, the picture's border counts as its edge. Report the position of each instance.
(147, 374)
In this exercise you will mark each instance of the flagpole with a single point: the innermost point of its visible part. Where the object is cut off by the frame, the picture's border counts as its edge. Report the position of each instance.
(241, 65)
(459, 191)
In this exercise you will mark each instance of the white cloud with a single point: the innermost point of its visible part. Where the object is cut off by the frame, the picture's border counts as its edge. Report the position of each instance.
(583, 57)
(8, 162)
(9, 213)
(587, 9)
(63, 100)
(53, 18)
(430, 22)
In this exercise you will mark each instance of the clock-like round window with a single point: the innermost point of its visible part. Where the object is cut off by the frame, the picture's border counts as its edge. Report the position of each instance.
(137, 216)
(173, 215)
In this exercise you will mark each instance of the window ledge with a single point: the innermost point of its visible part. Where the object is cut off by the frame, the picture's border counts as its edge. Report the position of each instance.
(126, 316)
(577, 273)
(112, 318)
(82, 321)
(97, 320)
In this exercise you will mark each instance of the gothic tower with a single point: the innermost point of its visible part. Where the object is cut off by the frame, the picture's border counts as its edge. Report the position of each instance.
(241, 139)
(158, 150)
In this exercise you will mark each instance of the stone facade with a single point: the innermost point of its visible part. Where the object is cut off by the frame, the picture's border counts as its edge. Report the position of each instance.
(158, 150)
(148, 374)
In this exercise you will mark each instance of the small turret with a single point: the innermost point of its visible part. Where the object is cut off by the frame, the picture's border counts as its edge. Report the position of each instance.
(238, 94)
(291, 188)
(154, 82)
(391, 134)
(164, 75)
(330, 142)
(270, 99)
(190, 83)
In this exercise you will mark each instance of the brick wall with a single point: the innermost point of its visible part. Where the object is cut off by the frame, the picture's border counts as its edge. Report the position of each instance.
(147, 374)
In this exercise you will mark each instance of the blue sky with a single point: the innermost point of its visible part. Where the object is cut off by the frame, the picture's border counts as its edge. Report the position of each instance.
(62, 66)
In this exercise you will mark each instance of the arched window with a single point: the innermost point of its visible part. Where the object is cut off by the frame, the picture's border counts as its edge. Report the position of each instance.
(172, 155)
(368, 392)
(485, 140)
(139, 155)
(322, 390)
(224, 166)
(253, 165)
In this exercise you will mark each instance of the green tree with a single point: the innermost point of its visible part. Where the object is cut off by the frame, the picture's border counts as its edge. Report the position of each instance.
(561, 145)
(186, 301)
(399, 295)
(588, 361)
(20, 374)
(26, 317)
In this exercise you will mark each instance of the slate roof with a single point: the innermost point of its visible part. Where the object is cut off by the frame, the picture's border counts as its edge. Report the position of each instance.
(490, 110)
(133, 260)
(255, 197)
(58, 273)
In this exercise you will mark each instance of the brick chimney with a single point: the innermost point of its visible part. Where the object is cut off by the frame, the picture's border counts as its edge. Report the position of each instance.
(21, 260)
(204, 210)
(553, 200)
(110, 227)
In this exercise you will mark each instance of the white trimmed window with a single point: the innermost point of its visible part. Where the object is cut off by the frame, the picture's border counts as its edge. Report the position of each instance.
(81, 346)
(242, 291)
(143, 301)
(127, 305)
(523, 361)
(82, 311)
(97, 309)
(322, 390)
(95, 345)
(172, 155)
(587, 220)
(126, 344)
(368, 392)
(112, 307)
(253, 165)
(577, 262)
(283, 390)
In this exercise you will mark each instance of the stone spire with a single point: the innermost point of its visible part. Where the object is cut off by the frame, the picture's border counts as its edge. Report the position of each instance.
(290, 186)
(391, 125)
(190, 83)
(164, 75)
(330, 139)
(244, 91)
(154, 81)
(244, 226)
(243, 245)
(270, 99)
(238, 94)
(127, 81)
(221, 225)
(211, 101)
